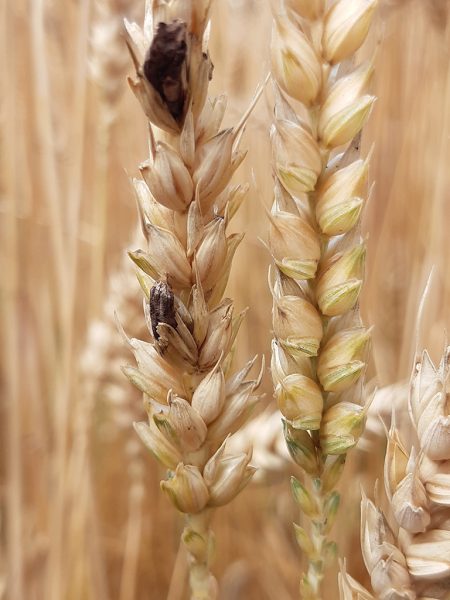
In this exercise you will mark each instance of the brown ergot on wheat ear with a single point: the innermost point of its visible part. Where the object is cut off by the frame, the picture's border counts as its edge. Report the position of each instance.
(320, 346)
(194, 401)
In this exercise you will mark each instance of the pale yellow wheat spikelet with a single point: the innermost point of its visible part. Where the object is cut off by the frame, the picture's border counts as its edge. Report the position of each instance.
(270, 454)
(194, 401)
(349, 588)
(409, 556)
(320, 346)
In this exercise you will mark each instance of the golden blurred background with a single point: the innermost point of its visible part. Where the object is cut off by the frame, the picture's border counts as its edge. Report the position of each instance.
(81, 515)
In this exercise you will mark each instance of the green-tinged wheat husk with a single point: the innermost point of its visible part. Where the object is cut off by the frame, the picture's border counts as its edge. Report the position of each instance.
(194, 401)
(321, 184)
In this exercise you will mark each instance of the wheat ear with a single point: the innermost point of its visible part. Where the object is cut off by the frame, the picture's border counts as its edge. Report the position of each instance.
(410, 557)
(320, 346)
(193, 401)
(108, 66)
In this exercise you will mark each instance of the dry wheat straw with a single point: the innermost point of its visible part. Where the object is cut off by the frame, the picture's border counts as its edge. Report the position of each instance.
(12, 527)
(193, 400)
(108, 66)
(64, 253)
(107, 70)
(320, 345)
(407, 548)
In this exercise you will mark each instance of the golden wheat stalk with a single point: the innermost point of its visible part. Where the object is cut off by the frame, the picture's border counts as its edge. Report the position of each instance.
(186, 201)
(320, 346)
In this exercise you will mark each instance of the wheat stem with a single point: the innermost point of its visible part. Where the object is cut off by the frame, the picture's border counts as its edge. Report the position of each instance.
(199, 567)
(10, 324)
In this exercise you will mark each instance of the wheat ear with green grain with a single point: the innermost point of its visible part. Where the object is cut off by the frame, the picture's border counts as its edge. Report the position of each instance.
(320, 345)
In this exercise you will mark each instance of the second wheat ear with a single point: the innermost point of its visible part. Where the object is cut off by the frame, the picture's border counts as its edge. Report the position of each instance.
(320, 345)
(193, 399)
(406, 547)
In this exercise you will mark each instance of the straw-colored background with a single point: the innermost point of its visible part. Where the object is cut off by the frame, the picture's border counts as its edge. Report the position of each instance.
(81, 515)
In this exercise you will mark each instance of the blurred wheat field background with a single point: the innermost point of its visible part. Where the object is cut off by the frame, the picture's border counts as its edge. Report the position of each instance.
(82, 515)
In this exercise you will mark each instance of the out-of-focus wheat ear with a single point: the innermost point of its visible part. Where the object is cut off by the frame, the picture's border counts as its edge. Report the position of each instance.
(108, 65)
(194, 401)
(321, 185)
(104, 347)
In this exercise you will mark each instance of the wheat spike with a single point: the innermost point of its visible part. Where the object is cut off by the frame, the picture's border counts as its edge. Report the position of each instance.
(186, 201)
(108, 65)
(320, 347)
(406, 551)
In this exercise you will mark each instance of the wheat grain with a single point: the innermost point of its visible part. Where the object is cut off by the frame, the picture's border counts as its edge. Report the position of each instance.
(320, 346)
(186, 202)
